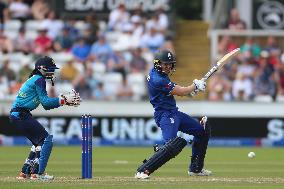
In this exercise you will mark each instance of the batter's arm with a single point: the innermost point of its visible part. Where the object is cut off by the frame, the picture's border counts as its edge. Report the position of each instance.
(183, 91)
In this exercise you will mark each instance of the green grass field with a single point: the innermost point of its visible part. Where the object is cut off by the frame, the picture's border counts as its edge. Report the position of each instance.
(115, 168)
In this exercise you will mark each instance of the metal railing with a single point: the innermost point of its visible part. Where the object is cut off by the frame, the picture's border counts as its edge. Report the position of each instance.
(216, 34)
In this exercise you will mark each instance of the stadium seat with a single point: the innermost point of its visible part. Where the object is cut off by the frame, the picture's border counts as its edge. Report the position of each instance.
(81, 25)
(112, 37)
(111, 81)
(63, 87)
(11, 34)
(15, 57)
(13, 25)
(99, 70)
(33, 25)
(61, 57)
(31, 34)
(263, 98)
(79, 66)
(102, 25)
(137, 83)
(280, 98)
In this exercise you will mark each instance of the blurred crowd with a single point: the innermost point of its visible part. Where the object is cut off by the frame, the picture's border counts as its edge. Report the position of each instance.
(257, 74)
(101, 59)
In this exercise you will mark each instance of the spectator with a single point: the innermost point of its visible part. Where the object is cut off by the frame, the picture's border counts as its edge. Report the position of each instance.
(242, 88)
(159, 22)
(100, 93)
(69, 71)
(21, 43)
(3, 12)
(247, 67)
(53, 25)
(219, 88)
(73, 31)
(281, 78)
(125, 91)
(39, 9)
(4, 87)
(101, 50)
(63, 42)
(6, 45)
(81, 50)
(138, 63)
(138, 28)
(19, 10)
(88, 36)
(117, 63)
(274, 50)
(7, 72)
(250, 49)
(85, 83)
(152, 40)
(163, 18)
(82, 86)
(93, 27)
(24, 72)
(235, 22)
(118, 18)
(225, 45)
(42, 43)
(265, 83)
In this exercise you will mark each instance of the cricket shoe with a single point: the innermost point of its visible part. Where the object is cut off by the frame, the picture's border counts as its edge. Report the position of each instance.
(203, 172)
(44, 177)
(23, 176)
(141, 175)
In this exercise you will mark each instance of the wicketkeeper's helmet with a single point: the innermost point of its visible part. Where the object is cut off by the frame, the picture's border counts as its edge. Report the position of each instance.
(46, 66)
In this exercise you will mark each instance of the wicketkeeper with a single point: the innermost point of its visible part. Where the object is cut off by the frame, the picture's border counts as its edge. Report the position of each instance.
(171, 120)
(31, 94)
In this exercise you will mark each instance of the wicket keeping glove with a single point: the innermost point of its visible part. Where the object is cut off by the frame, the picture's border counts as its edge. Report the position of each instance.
(70, 99)
(200, 85)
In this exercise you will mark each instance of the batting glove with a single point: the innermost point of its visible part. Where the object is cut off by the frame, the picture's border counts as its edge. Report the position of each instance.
(200, 85)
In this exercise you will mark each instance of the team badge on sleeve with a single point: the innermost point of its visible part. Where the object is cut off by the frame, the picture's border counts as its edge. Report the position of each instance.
(169, 85)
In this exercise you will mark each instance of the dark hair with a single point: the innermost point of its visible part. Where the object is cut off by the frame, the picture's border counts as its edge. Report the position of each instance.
(35, 72)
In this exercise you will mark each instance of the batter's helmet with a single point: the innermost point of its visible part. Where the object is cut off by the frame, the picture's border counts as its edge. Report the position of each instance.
(165, 57)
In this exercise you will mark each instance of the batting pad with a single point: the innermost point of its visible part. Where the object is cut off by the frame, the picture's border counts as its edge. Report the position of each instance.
(45, 153)
(170, 150)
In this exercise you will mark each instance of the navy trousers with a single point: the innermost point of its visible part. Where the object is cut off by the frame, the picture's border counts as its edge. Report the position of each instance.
(29, 127)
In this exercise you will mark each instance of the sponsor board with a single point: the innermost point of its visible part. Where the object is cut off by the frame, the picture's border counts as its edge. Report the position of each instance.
(144, 131)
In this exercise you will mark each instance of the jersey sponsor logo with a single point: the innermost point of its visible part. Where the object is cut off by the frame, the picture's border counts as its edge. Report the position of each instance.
(22, 94)
(172, 120)
(148, 78)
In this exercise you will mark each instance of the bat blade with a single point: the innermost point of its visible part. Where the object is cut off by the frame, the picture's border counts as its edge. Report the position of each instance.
(228, 57)
(221, 62)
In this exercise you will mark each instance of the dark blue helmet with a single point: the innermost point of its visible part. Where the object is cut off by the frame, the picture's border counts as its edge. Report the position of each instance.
(45, 62)
(166, 57)
(46, 66)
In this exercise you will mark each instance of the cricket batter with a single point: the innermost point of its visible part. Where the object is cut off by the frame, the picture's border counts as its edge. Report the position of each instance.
(171, 120)
(31, 94)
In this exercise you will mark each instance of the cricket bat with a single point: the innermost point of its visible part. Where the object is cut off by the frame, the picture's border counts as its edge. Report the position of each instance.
(226, 58)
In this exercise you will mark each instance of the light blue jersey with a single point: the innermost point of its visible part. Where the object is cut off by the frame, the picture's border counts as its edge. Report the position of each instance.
(32, 93)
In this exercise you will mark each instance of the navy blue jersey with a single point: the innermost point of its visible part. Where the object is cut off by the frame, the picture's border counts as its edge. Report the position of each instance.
(160, 87)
